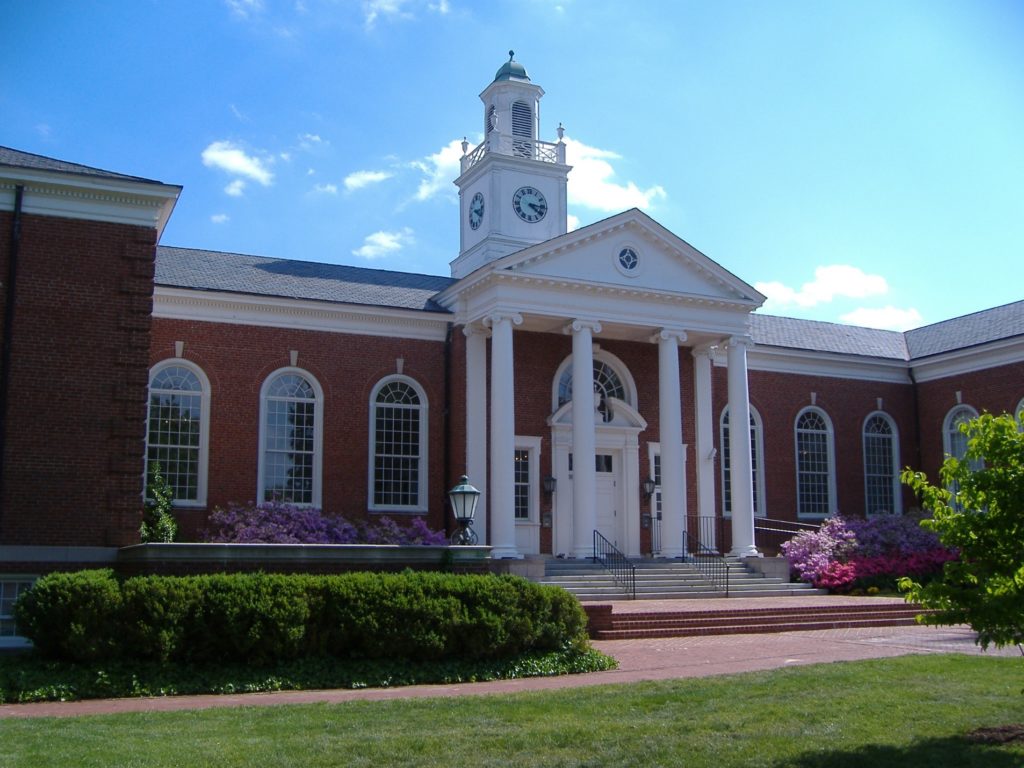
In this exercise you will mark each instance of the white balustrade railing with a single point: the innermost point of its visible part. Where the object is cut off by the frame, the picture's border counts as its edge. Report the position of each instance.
(515, 146)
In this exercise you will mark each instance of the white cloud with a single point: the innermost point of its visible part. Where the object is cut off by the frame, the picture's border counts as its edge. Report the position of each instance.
(572, 222)
(220, 218)
(245, 8)
(400, 10)
(44, 130)
(384, 243)
(888, 318)
(591, 182)
(360, 179)
(235, 189)
(310, 141)
(328, 189)
(440, 170)
(836, 280)
(239, 114)
(232, 159)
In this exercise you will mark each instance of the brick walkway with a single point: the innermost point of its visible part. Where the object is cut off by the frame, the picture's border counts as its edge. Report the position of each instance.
(650, 659)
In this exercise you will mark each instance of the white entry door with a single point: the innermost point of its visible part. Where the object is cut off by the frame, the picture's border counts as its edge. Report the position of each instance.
(606, 514)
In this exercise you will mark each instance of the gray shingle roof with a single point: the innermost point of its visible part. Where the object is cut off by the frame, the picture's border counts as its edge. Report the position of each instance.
(988, 325)
(773, 331)
(15, 158)
(238, 273)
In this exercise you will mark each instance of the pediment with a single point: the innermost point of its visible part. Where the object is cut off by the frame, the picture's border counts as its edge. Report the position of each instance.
(630, 251)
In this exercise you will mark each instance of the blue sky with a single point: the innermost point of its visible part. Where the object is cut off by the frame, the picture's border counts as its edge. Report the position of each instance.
(856, 161)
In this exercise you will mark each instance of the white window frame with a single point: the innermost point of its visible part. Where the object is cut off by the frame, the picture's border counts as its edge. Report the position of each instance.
(421, 491)
(318, 429)
(532, 446)
(830, 448)
(204, 427)
(757, 462)
(6, 580)
(600, 356)
(897, 500)
(949, 425)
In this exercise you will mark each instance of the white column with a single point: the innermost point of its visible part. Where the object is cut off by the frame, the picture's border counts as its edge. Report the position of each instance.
(584, 474)
(705, 442)
(741, 482)
(476, 421)
(670, 425)
(503, 436)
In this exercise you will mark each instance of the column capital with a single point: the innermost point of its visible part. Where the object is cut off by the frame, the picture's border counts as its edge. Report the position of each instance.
(496, 317)
(580, 324)
(670, 333)
(740, 341)
(704, 350)
(475, 329)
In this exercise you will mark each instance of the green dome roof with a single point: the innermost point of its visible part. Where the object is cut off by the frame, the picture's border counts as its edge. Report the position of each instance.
(511, 70)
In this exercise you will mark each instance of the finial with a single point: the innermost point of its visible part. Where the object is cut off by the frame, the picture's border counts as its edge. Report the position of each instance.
(511, 55)
(465, 145)
(561, 131)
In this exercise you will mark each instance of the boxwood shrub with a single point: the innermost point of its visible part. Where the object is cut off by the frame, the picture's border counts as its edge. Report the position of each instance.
(261, 618)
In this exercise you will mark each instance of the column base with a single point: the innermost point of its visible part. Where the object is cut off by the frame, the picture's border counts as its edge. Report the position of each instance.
(750, 551)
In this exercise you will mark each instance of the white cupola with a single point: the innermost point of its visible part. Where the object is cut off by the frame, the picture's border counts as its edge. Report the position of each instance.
(512, 188)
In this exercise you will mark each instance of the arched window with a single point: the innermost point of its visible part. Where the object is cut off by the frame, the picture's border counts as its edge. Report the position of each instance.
(881, 466)
(177, 429)
(815, 464)
(291, 419)
(611, 379)
(398, 441)
(756, 451)
(954, 442)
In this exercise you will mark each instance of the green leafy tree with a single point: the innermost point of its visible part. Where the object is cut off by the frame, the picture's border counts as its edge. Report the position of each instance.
(978, 510)
(158, 523)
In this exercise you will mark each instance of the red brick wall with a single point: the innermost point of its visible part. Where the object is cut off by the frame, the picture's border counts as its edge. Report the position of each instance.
(995, 390)
(237, 359)
(75, 429)
(779, 397)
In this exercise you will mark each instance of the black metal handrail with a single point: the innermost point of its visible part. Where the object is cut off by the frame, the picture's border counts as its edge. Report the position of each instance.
(769, 534)
(616, 563)
(703, 550)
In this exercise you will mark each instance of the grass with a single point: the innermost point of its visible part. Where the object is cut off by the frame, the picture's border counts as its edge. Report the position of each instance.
(906, 712)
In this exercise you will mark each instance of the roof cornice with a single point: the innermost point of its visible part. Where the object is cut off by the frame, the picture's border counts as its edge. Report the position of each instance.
(300, 314)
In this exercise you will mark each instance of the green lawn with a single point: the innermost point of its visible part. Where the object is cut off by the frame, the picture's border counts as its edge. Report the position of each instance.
(905, 712)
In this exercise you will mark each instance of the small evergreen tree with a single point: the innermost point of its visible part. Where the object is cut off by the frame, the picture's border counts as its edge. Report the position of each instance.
(158, 523)
(978, 510)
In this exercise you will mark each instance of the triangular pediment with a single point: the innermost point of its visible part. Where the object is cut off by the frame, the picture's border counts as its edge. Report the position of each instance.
(630, 251)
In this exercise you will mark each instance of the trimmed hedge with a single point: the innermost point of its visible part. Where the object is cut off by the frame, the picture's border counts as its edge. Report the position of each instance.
(260, 619)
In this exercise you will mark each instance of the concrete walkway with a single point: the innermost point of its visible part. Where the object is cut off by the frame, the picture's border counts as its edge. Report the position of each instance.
(649, 659)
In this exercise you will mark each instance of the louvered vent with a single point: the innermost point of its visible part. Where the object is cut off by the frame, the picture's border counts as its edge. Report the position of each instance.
(522, 120)
(492, 120)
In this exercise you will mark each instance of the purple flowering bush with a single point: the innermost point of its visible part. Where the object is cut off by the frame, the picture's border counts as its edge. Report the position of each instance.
(865, 553)
(277, 522)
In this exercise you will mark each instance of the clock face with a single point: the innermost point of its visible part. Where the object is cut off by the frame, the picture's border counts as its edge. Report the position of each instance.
(476, 210)
(529, 204)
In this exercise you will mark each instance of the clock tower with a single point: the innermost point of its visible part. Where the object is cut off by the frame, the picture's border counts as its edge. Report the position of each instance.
(512, 186)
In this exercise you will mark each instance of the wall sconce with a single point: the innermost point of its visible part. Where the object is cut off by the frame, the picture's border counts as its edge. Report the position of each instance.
(545, 520)
(645, 520)
(649, 487)
(549, 483)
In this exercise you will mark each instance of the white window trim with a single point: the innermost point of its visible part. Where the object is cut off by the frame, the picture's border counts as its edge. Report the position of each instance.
(831, 449)
(421, 505)
(947, 425)
(318, 430)
(15, 641)
(531, 445)
(204, 427)
(897, 494)
(759, 510)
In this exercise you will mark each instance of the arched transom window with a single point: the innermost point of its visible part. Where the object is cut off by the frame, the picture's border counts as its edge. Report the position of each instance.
(881, 466)
(606, 382)
(176, 430)
(291, 442)
(815, 486)
(398, 478)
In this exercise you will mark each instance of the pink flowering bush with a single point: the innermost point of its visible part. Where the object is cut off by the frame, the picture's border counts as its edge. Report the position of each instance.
(865, 553)
(277, 522)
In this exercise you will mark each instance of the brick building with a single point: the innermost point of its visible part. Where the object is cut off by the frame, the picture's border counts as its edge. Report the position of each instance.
(369, 392)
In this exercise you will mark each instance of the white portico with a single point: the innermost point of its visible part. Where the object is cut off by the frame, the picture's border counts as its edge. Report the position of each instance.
(623, 279)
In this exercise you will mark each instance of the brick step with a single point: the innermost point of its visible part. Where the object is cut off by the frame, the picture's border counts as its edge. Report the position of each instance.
(649, 622)
(743, 629)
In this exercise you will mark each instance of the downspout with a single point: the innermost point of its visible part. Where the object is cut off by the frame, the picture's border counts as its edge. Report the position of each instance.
(8, 335)
(447, 460)
(916, 404)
